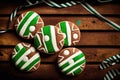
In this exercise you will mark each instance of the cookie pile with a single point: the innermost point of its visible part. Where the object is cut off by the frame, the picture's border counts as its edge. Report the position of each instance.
(48, 39)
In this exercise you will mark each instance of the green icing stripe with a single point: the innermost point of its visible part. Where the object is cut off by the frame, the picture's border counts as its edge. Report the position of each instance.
(48, 44)
(32, 64)
(74, 66)
(21, 64)
(33, 22)
(19, 54)
(17, 48)
(65, 65)
(24, 20)
(64, 30)
(36, 41)
(79, 70)
(76, 58)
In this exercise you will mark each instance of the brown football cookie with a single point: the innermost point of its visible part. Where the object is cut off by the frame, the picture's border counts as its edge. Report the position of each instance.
(71, 61)
(28, 24)
(71, 31)
(49, 40)
(25, 57)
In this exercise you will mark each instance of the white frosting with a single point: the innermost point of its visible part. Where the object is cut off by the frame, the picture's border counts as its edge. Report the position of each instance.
(22, 57)
(64, 35)
(66, 52)
(75, 36)
(30, 61)
(32, 49)
(32, 28)
(68, 33)
(74, 63)
(53, 36)
(25, 59)
(24, 27)
(72, 56)
(71, 61)
(46, 38)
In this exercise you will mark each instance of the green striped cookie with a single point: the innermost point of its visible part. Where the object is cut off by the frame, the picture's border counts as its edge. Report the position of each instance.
(71, 31)
(49, 40)
(71, 61)
(28, 24)
(25, 57)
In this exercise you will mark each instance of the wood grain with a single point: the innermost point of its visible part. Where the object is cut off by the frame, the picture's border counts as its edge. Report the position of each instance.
(44, 9)
(98, 40)
(87, 39)
(51, 71)
(83, 22)
(91, 54)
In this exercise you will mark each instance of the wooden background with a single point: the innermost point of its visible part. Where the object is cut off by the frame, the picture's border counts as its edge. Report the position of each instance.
(98, 40)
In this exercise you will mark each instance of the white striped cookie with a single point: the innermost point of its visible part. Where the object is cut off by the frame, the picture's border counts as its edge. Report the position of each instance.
(25, 57)
(71, 61)
(49, 40)
(28, 24)
(71, 32)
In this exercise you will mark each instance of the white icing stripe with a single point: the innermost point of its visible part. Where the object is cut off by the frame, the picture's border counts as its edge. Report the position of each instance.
(53, 36)
(83, 58)
(39, 39)
(20, 46)
(73, 70)
(22, 20)
(108, 78)
(68, 33)
(30, 61)
(21, 58)
(34, 66)
(110, 74)
(27, 23)
(44, 41)
(66, 60)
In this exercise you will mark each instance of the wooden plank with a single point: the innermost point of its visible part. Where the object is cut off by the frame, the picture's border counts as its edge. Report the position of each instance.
(44, 9)
(87, 39)
(83, 22)
(91, 72)
(92, 54)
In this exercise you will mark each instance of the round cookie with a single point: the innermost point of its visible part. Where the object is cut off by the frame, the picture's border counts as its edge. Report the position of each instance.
(71, 31)
(25, 57)
(28, 24)
(71, 61)
(49, 40)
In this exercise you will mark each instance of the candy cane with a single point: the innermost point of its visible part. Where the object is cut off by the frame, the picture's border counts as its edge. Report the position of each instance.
(63, 5)
(110, 61)
(110, 75)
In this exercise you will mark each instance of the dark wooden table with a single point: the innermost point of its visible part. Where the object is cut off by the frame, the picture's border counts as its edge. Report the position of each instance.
(98, 40)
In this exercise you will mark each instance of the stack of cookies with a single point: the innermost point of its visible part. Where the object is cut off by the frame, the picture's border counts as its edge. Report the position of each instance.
(48, 39)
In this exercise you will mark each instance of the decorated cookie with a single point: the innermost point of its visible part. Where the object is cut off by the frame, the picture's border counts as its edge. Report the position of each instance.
(28, 24)
(71, 31)
(25, 57)
(71, 61)
(49, 40)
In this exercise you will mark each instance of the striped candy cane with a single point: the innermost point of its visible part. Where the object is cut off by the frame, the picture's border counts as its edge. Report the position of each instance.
(110, 61)
(64, 5)
(86, 6)
(110, 75)
(14, 13)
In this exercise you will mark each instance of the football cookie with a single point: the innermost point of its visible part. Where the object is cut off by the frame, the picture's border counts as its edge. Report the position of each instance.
(28, 24)
(49, 40)
(25, 57)
(71, 61)
(71, 31)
